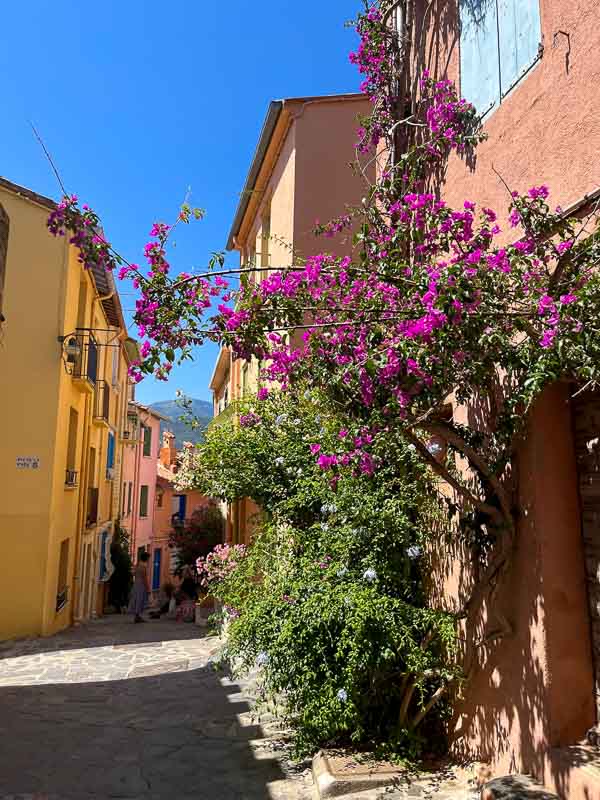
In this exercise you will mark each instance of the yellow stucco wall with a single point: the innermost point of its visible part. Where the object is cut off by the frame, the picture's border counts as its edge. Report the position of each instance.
(37, 510)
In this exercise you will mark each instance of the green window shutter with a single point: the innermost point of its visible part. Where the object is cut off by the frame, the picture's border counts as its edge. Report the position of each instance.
(143, 501)
(147, 441)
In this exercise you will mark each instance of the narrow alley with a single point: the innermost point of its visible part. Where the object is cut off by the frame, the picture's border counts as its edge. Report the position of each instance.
(112, 709)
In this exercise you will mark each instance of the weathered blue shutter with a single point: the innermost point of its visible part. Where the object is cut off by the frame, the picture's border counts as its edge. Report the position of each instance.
(479, 68)
(520, 35)
(156, 569)
(182, 505)
(110, 452)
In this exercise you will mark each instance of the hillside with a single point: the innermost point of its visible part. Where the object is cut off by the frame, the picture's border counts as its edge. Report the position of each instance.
(201, 408)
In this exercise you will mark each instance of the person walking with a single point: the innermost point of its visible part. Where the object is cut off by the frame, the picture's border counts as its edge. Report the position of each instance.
(141, 589)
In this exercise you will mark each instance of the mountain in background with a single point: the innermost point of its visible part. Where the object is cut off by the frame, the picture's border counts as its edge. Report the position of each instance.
(183, 433)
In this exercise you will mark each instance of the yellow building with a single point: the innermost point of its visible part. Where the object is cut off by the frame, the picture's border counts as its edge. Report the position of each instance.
(64, 355)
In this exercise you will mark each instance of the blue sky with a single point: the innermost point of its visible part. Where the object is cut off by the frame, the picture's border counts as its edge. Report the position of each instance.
(139, 100)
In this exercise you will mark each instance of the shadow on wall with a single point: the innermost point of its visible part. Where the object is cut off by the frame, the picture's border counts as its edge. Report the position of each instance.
(532, 688)
(174, 735)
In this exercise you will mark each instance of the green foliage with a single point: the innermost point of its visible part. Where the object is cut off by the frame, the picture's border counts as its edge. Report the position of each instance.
(196, 536)
(329, 597)
(120, 581)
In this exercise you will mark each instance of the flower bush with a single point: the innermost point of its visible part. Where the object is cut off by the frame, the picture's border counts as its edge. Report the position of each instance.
(328, 600)
(214, 568)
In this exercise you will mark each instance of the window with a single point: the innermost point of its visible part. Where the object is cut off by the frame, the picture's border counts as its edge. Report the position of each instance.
(265, 239)
(124, 498)
(129, 493)
(110, 456)
(147, 440)
(92, 467)
(71, 474)
(63, 569)
(143, 501)
(159, 498)
(115, 366)
(499, 42)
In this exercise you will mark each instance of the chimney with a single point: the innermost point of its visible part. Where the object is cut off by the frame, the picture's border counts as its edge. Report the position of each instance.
(168, 453)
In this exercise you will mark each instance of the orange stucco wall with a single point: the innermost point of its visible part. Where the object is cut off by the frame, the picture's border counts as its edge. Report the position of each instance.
(534, 691)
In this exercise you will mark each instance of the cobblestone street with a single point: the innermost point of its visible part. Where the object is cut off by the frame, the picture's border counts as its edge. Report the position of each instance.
(116, 710)
(113, 709)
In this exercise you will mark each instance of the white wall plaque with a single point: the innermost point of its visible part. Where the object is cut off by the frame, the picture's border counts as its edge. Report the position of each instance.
(28, 462)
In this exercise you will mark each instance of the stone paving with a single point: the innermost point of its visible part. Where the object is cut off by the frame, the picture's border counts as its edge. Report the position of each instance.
(113, 709)
(116, 710)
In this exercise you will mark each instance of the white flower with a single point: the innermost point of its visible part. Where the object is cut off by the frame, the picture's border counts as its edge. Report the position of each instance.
(434, 448)
(178, 393)
(414, 552)
(307, 394)
(280, 460)
(262, 659)
(342, 572)
(298, 471)
(411, 447)
(280, 418)
(297, 421)
(318, 419)
(324, 526)
(370, 575)
(342, 695)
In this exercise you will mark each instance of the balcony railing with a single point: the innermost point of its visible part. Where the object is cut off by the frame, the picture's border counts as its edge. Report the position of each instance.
(91, 517)
(102, 402)
(85, 366)
(71, 476)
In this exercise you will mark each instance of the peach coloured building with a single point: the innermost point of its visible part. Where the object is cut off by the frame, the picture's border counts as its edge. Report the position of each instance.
(299, 176)
(170, 505)
(533, 68)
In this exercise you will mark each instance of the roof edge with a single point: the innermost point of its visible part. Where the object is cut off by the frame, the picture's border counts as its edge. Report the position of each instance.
(271, 120)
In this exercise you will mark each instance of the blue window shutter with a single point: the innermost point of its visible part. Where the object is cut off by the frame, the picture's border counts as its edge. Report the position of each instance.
(110, 451)
(182, 504)
(520, 35)
(479, 67)
(156, 569)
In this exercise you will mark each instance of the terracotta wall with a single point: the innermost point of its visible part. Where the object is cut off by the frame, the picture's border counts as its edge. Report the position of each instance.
(534, 691)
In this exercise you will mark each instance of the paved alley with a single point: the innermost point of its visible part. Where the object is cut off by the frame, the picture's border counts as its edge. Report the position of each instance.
(112, 709)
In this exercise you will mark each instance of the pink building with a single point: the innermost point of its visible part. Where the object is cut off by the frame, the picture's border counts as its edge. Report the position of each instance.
(138, 490)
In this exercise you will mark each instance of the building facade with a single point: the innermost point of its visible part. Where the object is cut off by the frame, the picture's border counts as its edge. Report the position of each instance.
(531, 68)
(299, 177)
(173, 507)
(141, 446)
(64, 365)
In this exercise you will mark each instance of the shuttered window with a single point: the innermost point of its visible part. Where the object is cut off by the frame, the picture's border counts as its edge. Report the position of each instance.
(499, 42)
(147, 441)
(143, 501)
(110, 451)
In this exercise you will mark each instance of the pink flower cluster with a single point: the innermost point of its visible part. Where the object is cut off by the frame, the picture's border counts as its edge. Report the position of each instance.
(220, 563)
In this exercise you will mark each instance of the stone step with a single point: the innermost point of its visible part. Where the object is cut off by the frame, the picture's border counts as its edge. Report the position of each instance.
(515, 787)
